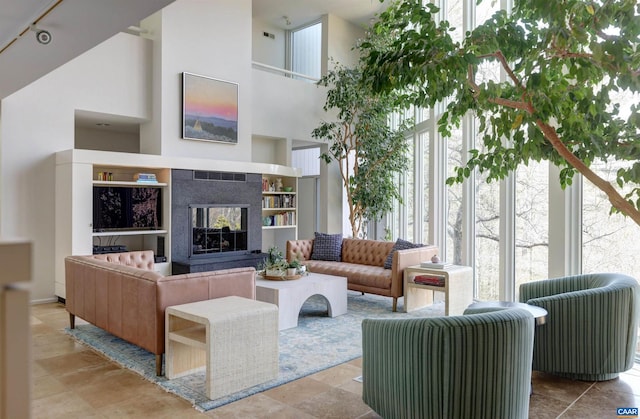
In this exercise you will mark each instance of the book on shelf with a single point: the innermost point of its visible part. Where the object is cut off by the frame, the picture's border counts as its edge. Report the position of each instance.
(435, 265)
(145, 177)
(438, 281)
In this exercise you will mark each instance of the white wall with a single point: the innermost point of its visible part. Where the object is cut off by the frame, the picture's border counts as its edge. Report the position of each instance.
(285, 107)
(270, 150)
(38, 121)
(97, 139)
(140, 79)
(341, 38)
(266, 50)
(208, 38)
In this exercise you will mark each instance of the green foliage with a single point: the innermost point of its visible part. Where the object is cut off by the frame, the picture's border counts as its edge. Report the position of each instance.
(369, 152)
(562, 62)
(295, 263)
(274, 260)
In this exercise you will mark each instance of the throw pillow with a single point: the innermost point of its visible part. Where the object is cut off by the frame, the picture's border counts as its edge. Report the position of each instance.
(400, 244)
(327, 247)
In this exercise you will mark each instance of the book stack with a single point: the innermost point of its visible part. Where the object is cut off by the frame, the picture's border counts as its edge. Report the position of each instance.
(145, 178)
(434, 265)
(437, 281)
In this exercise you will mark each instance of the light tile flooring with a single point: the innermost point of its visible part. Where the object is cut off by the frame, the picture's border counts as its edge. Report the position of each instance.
(72, 381)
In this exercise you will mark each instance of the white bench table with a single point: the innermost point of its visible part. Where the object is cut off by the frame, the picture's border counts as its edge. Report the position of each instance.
(234, 339)
(290, 295)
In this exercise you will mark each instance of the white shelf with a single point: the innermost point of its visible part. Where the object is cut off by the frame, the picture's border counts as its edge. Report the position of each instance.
(128, 233)
(277, 227)
(278, 193)
(282, 209)
(123, 183)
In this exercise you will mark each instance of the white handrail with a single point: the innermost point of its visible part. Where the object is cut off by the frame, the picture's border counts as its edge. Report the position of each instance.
(283, 71)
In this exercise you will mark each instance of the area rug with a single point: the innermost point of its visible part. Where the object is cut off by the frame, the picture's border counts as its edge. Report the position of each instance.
(319, 342)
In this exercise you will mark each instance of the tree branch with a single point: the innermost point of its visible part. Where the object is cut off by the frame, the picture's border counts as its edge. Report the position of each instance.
(503, 61)
(514, 104)
(615, 198)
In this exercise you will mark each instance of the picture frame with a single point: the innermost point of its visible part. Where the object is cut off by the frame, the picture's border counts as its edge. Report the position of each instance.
(209, 109)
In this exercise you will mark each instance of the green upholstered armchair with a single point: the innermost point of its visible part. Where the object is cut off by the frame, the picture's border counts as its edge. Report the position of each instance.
(473, 366)
(591, 328)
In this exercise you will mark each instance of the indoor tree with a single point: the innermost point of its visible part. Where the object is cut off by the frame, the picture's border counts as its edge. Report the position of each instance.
(563, 62)
(368, 150)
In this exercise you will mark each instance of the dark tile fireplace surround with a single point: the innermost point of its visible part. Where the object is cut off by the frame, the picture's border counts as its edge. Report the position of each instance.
(202, 188)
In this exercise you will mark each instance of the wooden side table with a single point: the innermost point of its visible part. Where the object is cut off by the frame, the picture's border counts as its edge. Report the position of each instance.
(234, 339)
(457, 289)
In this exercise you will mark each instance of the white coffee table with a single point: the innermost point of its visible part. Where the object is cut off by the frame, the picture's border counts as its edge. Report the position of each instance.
(290, 295)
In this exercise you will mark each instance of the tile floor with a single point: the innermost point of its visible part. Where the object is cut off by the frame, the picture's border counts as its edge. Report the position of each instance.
(72, 381)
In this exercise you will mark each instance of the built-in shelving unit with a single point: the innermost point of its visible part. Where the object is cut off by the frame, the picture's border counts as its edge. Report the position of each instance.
(125, 177)
(127, 233)
(279, 210)
(134, 184)
(80, 172)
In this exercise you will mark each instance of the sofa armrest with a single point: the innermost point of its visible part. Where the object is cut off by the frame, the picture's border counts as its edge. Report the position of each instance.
(405, 258)
(299, 249)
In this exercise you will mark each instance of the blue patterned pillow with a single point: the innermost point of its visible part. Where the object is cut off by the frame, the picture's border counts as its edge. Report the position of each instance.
(399, 245)
(327, 247)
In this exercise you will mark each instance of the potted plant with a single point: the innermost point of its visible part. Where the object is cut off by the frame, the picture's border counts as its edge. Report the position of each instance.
(369, 153)
(275, 263)
(294, 267)
(301, 267)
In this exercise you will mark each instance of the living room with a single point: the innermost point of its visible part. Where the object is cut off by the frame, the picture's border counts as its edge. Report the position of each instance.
(134, 80)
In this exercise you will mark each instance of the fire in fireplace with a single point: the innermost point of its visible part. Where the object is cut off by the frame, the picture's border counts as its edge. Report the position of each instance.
(218, 229)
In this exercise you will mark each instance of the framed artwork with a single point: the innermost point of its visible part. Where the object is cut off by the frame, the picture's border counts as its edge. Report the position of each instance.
(209, 109)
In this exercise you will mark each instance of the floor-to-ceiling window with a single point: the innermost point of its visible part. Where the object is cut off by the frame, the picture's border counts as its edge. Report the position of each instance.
(502, 228)
(610, 242)
(531, 223)
(305, 50)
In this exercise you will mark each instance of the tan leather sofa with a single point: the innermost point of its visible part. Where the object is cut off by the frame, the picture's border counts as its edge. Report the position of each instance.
(122, 294)
(362, 262)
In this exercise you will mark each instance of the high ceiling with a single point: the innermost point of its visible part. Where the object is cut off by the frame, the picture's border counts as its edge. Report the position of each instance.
(75, 27)
(300, 12)
(78, 25)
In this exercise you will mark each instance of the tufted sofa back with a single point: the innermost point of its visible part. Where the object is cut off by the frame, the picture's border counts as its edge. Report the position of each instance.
(142, 259)
(365, 252)
(362, 252)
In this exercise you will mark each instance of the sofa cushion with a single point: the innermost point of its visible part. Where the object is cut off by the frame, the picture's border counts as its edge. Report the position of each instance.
(357, 274)
(400, 244)
(327, 247)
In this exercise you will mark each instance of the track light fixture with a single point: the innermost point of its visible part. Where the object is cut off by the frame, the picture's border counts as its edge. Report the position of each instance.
(42, 36)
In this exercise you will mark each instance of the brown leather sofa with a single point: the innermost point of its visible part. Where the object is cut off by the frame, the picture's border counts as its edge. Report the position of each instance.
(122, 294)
(362, 263)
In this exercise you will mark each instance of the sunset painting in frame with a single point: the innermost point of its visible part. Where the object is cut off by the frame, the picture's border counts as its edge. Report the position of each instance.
(209, 109)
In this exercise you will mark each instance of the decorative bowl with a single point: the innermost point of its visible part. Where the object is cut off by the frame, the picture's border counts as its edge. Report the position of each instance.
(288, 189)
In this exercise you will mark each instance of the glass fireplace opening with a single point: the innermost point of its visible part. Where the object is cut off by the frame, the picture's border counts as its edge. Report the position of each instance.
(218, 229)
